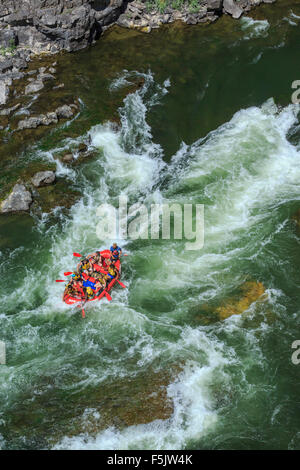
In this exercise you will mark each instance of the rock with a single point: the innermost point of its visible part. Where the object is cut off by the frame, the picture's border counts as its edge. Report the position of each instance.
(4, 92)
(43, 178)
(50, 118)
(45, 77)
(251, 291)
(111, 13)
(15, 75)
(68, 158)
(232, 8)
(192, 18)
(64, 111)
(34, 87)
(146, 29)
(8, 38)
(6, 65)
(61, 85)
(215, 5)
(19, 63)
(19, 200)
(41, 120)
(8, 111)
(124, 21)
(30, 123)
(82, 147)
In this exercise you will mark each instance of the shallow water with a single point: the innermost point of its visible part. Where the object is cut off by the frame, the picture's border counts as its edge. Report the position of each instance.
(213, 123)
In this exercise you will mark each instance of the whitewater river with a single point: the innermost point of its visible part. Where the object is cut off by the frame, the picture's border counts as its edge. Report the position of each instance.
(164, 365)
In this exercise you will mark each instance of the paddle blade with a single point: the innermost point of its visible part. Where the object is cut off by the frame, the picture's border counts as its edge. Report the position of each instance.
(83, 313)
(68, 273)
(121, 284)
(125, 254)
(108, 296)
(78, 255)
(59, 280)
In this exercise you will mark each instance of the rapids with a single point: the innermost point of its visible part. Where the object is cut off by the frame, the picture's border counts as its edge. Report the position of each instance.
(233, 384)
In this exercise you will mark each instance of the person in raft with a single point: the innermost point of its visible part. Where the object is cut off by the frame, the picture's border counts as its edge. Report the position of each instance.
(97, 258)
(116, 252)
(112, 272)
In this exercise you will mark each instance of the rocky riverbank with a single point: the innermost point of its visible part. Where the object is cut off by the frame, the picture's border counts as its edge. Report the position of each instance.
(31, 33)
(50, 26)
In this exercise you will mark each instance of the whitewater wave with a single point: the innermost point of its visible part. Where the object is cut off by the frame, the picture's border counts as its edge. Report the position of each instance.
(243, 172)
(254, 28)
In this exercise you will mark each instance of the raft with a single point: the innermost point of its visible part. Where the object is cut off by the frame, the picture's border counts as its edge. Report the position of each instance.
(70, 300)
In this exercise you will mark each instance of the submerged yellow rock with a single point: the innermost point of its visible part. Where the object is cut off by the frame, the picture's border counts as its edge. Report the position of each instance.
(145, 29)
(296, 218)
(251, 291)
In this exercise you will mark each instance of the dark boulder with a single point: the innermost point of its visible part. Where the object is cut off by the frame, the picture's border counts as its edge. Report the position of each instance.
(214, 5)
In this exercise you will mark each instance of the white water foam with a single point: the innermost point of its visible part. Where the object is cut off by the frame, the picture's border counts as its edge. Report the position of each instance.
(254, 28)
(243, 170)
(191, 397)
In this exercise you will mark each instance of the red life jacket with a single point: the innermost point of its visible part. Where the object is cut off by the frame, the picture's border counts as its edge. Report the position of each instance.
(79, 289)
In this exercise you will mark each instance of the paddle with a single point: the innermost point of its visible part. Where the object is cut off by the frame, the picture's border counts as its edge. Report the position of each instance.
(68, 273)
(121, 284)
(59, 280)
(83, 312)
(78, 255)
(107, 295)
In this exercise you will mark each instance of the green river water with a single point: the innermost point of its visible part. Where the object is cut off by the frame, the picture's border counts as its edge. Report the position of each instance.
(212, 124)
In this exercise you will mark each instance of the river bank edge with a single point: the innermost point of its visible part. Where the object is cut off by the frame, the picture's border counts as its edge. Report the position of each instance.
(33, 83)
(27, 31)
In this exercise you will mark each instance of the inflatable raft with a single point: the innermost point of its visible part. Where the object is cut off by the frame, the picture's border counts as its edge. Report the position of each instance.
(70, 300)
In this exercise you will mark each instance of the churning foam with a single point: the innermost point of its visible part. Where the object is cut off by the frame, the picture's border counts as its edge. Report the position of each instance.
(242, 171)
(254, 28)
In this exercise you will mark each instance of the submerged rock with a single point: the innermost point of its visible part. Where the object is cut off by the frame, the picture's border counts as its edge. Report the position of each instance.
(82, 147)
(19, 200)
(43, 178)
(251, 291)
(296, 219)
(248, 293)
(67, 158)
(8, 111)
(34, 122)
(34, 87)
(63, 112)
